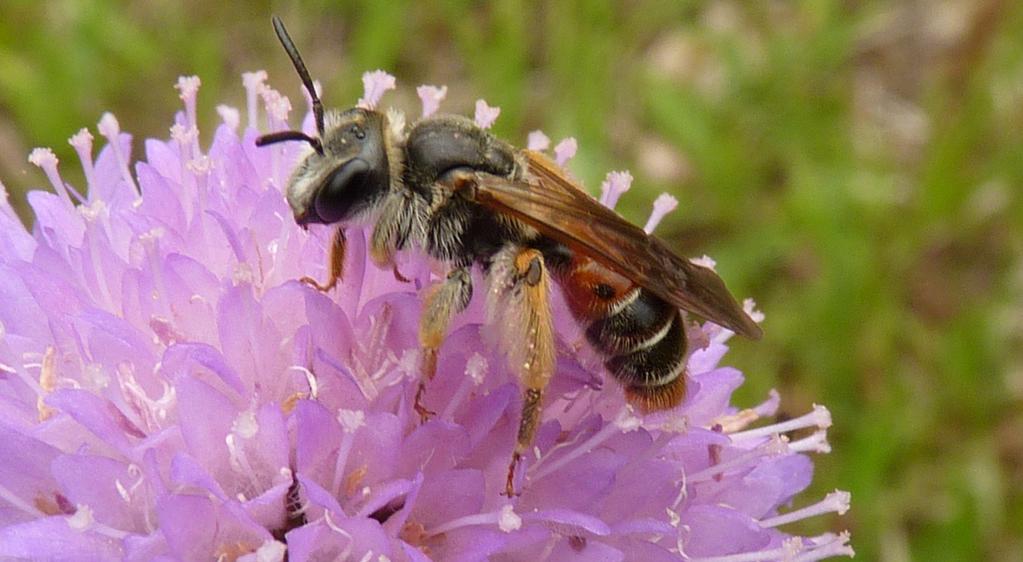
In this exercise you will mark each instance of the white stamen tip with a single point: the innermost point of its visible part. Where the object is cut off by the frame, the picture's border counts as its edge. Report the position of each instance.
(431, 96)
(822, 415)
(749, 306)
(663, 205)
(254, 83)
(230, 115)
(93, 211)
(565, 150)
(201, 165)
(182, 134)
(82, 519)
(835, 502)
(108, 126)
(538, 141)
(42, 157)
(277, 106)
(840, 500)
(245, 425)
(375, 84)
(254, 80)
(271, 551)
(82, 140)
(816, 442)
(614, 185)
(705, 261)
(791, 547)
(508, 520)
(778, 445)
(351, 420)
(152, 235)
(476, 368)
(188, 86)
(486, 114)
(627, 421)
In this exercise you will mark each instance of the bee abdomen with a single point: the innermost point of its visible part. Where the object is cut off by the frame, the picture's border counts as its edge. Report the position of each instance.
(641, 336)
(637, 320)
(654, 357)
(644, 341)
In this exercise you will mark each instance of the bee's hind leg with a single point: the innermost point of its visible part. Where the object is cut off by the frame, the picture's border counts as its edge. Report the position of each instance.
(442, 302)
(336, 265)
(521, 288)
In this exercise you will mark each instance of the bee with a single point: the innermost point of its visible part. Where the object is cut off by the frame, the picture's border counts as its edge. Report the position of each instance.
(449, 188)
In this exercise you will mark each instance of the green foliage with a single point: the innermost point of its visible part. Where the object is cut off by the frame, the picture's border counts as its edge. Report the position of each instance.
(854, 166)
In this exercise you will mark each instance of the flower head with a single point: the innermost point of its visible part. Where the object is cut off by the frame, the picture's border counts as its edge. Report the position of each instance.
(169, 389)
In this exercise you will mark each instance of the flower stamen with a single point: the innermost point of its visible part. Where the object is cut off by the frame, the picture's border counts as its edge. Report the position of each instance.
(431, 96)
(819, 417)
(505, 518)
(485, 114)
(663, 205)
(776, 445)
(475, 371)
(47, 162)
(614, 185)
(837, 502)
(254, 83)
(565, 150)
(111, 130)
(538, 141)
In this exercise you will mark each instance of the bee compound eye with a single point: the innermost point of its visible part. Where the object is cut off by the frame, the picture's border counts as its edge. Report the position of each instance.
(344, 191)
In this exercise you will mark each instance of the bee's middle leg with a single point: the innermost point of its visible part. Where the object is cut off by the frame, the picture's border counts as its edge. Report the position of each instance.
(336, 263)
(442, 302)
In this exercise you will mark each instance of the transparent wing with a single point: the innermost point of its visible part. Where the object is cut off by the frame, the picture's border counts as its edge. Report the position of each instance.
(556, 206)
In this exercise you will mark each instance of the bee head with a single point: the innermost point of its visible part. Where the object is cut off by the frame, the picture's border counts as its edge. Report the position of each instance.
(347, 175)
(348, 169)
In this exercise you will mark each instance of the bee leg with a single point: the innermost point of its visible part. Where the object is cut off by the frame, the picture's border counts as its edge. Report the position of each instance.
(530, 342)
(442, 302)
(337, 264)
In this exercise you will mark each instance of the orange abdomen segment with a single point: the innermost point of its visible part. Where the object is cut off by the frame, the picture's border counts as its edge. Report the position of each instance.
(591, 289)
(641, 336)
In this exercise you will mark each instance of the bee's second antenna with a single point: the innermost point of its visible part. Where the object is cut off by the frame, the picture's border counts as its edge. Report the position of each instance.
(296, 59)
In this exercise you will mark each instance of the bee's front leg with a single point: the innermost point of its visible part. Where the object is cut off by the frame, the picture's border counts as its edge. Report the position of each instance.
(336, 265)
(442, 302)
(522, 308)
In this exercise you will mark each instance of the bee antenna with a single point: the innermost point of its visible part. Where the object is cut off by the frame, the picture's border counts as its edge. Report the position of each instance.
(296, 59)
(283, 136)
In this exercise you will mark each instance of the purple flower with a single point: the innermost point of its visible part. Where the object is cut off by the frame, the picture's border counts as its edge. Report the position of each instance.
(170, 391)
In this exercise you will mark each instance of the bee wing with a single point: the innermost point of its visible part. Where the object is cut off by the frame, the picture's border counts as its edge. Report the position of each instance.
(557, 207)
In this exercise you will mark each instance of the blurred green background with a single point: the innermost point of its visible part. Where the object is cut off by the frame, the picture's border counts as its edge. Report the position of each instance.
(854, 165)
